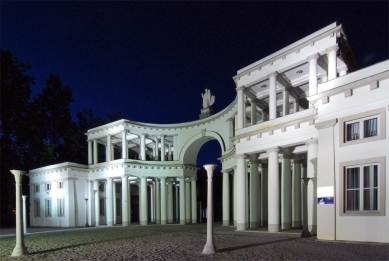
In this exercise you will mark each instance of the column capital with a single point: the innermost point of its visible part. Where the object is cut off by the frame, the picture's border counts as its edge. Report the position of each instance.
(253, 160)
(143, 177)
(163, 136)
(313, 56)
(18, 174)
(286, 89)
(311, 142)
(275, 149)
(109, 178)
(143, 134)
(253, 101)
(285, 155)
(332, 48)
(273, 74)
(125, 176)
(241, 156)
(193, 178)
(240, 88)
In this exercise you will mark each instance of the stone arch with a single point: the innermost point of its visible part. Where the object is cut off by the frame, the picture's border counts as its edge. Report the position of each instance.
(191, 148)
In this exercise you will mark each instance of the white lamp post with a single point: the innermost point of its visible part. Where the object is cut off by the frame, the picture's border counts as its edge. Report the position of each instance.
(210, 247)
(20, 249)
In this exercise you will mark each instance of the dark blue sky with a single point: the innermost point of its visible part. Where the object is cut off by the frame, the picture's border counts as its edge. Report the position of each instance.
(152, 60)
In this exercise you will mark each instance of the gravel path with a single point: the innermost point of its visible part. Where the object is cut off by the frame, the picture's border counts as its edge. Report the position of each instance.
(175, 242)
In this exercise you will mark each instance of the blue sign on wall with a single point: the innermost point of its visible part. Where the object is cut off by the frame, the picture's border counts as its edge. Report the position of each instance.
(323, 201)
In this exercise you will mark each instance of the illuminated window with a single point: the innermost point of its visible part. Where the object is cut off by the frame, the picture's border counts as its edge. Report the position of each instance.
(36, 188)
(47, 186)
(60, 184)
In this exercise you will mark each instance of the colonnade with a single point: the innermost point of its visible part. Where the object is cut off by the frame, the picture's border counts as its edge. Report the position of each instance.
(162, 151)
(155, 204)
(269, 191)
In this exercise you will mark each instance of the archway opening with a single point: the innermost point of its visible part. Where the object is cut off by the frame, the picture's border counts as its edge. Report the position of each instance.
(209, 153)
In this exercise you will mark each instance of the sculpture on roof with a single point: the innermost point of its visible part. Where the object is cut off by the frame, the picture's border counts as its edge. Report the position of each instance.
(208, 99)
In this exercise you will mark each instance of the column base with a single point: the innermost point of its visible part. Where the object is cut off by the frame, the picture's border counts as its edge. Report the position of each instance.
(296, 223)
(286, 225)
(188, 220)
(97, 223)
(241, 226)
(19, 251)
(312, 229)
(170, 221)
(109, 223)
(253, 224)
(305, 234)
(143, 223)
(125, 223)
(226, 222)
(273, 228)
(182, 222)
(194, 221)
(163, 222)
(209, 249)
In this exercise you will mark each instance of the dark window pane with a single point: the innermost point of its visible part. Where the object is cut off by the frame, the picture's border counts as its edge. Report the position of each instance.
(370, 199)
(370, 128)
(352, 200)
(352, 179)
(352, 131)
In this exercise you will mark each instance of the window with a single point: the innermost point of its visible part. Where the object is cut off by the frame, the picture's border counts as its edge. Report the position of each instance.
(363, 127)
(102, 204)
(61, 207)
(37, 209)
(362, 187)
(47, 186)
(36, 188)
(48, 207)
(60, 184)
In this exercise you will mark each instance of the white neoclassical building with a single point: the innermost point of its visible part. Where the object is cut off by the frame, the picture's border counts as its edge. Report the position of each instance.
(306, 111)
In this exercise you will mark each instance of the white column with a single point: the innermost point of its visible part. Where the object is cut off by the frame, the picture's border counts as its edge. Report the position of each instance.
(143, 146)
(235, 178)
(90, 203)
(95, 158)
(156, 148)
(124, 145)
(97, 202)
(312, 185)
(90, 152)
(177, 207)
(175, 145)
(163, 200)
(109, 201)
(286, 193)
(24, 214)
(187, 201)
(312, 75)
(210, 247)
(20, 249)
(163, 147)
(182, 201)
(296, 193)
(285, 107)
(231, 132)
(169, 154)
(264, 193)
(114, 202)
(143, 201)
(152, 203)
(273, 191)
(158, 201)
(194, 199)
(331, 52)
(296, 106)
(253, 111)
(125, 201)
(226, 198)
(170, 201)
(108, 149)
(241, 108)
(241, 192)
(254, 182)
(272, 96)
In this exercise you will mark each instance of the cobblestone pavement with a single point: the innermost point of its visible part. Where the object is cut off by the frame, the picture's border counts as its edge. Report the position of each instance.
(175, 242)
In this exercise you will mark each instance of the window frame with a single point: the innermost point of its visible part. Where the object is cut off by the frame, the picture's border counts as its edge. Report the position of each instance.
(381, 176)
(48, 207)
(61, 207)
(37, 208)
(36, 188)
(60, 185)
(361, 117)
(47, 186)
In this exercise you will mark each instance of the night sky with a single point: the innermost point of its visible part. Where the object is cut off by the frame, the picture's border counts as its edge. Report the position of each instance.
(152, 60)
